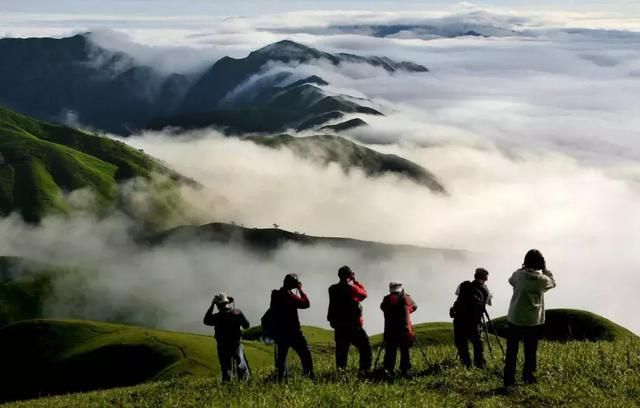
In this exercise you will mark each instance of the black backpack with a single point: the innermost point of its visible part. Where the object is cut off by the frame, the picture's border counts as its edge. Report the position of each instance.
(343, 311)
(269, 320)
(471, 301)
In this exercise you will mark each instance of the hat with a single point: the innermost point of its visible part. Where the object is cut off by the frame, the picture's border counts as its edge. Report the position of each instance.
(395, 287)
(221, 299)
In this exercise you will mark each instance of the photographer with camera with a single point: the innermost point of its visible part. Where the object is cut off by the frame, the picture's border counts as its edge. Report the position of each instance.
(228, 324)
(287, 332)
(398, 330)
(467, 312)
(526, 315)
(345, 317)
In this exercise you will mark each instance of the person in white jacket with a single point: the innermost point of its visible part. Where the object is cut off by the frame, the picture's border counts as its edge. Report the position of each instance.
(526, 315)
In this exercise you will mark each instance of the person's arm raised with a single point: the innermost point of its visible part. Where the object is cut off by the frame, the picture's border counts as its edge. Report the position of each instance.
(358, 291)
(209, 318)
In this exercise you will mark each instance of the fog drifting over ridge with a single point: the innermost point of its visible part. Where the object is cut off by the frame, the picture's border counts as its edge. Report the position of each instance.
(534, 136)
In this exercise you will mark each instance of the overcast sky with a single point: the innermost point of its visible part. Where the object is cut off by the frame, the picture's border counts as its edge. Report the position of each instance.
(254, 7)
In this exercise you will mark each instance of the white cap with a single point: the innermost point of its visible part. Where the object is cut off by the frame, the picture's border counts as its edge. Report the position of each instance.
(220, 299)
(395, 287)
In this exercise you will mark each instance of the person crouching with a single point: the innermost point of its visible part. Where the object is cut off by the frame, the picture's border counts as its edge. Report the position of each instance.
(228, 324)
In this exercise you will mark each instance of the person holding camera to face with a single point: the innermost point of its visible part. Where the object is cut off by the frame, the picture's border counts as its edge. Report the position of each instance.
(285, 303)
(398, 330)
(526, 315)
(345, 317)
(228, 324)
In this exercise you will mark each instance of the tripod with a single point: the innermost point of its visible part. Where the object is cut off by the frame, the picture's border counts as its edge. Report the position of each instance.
(486, 323)
(424, 354)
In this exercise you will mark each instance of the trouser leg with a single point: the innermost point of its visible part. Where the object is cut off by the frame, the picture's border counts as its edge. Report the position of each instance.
(301, 347)
(513, 342)
(475, 336)
(281, 358)
(225, 357)
(405, 358)
(341, 336)
(460, 339)
(530, 354)
(390, 350)
(360, 340)
(241, 363)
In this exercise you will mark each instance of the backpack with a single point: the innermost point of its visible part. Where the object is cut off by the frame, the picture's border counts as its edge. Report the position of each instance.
(269, 320)
(343, 311)
(471, 301)
(269, 325)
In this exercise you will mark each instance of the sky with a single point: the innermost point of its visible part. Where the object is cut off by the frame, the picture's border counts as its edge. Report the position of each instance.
(533, 130)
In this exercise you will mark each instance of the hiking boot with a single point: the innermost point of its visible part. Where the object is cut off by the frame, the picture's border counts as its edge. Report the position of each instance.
(530, 379)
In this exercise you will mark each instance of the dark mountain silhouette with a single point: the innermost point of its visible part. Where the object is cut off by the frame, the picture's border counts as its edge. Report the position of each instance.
(74, 79)
(269, 239)
(49, 78)
(326, 149)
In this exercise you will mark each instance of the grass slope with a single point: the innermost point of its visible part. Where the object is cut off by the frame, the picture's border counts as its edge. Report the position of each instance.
(44, 357)
(59, 356)
(334, 149)
(571, 324)
(573, 374)
(268, 239)
(23, 293)
(39, 162)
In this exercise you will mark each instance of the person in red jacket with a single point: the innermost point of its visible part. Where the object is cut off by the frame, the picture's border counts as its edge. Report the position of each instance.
(398, 331)
(288, 332)
(345, 317)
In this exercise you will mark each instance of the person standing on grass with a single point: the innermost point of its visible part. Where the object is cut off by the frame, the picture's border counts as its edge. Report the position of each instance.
(398, 330)
(285, 303)
(526, 315)
(467, 312)
(228, 324)
(345, 317)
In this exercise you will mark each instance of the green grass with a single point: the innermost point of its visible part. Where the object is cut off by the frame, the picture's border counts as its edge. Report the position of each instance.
(571, 324)
(575, 374)
(48, 357)
(41, 162)
(58, 356)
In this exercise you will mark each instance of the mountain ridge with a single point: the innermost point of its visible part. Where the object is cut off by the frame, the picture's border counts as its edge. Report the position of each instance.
(74, 79)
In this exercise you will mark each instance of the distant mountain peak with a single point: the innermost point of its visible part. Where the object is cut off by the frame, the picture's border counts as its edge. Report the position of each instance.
(287, 50)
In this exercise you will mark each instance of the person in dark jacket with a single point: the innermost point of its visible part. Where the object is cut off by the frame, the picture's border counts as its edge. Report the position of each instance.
(345, 317)
(285, 303)
(398, 330)
(467, 315)
(228, 324)
(526, 315)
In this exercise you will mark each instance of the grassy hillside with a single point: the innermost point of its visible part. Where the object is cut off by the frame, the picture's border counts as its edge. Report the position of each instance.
(23, 293)
(570, 324)
(51, 356)
(570, 375)
(39, 162)
(349, 155)
(45, 357)
(268, 239)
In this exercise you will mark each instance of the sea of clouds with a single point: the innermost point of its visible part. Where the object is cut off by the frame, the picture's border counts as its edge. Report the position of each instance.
(532, 130)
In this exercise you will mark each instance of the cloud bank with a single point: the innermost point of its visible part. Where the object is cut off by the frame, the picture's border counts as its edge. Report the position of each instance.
(533, 133)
